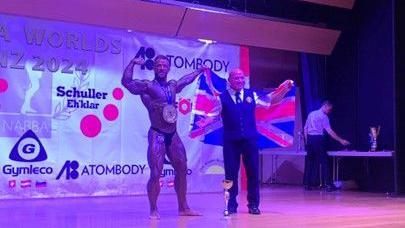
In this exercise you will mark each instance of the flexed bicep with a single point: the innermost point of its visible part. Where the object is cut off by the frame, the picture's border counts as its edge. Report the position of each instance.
(135, 86)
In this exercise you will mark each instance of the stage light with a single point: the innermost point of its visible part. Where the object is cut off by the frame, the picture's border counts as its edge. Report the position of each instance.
(207, 41)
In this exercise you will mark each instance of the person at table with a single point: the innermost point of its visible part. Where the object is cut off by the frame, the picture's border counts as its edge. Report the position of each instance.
(315, 127)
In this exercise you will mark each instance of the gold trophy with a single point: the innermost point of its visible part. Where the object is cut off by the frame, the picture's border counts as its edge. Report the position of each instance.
(227, 185)
(374, 132)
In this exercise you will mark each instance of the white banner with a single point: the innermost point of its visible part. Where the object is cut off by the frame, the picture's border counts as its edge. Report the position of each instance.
(69, 128)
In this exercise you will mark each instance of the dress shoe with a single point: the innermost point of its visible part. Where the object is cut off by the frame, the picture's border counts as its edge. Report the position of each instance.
(254, 211)
(232, 211)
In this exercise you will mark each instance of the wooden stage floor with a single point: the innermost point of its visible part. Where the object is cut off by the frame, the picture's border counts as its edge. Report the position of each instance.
(282, 206)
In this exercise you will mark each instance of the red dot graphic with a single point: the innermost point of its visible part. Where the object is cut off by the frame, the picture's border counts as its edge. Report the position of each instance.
(110, 112)
(3, 85)
(118, 93)
(90, 126)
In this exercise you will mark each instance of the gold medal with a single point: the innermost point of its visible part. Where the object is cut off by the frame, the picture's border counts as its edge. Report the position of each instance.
(170, 113)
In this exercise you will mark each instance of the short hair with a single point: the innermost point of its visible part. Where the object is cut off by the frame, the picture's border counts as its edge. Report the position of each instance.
(327, 102)
(162, 57)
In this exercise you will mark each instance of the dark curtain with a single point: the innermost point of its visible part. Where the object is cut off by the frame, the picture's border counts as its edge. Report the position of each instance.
(313, 72)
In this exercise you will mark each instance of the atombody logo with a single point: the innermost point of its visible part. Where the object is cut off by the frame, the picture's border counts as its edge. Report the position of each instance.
(178, 61)
(73, 170)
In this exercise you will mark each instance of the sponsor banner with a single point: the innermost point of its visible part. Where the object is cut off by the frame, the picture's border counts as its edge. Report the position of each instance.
(67, 125)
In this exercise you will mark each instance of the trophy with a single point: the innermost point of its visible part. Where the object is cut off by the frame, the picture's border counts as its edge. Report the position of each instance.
(374, 132)
(301, 141)
(227, 185)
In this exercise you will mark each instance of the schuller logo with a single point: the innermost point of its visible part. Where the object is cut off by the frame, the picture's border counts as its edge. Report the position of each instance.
(28, 149)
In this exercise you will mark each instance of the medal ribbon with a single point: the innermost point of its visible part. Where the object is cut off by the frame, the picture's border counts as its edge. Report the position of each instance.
(169, 95)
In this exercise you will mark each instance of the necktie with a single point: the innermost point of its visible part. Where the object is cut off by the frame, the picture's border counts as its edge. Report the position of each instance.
(238, 98)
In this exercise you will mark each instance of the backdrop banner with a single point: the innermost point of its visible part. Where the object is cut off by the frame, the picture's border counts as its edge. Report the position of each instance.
(67, 125)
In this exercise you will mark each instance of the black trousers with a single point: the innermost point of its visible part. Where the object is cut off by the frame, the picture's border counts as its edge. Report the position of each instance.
(232, 150)
(316, 157)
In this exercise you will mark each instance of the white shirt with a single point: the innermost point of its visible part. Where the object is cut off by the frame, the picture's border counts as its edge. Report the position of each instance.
(232, 92)
(316, 122)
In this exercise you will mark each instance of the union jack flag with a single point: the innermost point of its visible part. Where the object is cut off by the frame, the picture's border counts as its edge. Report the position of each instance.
(275, 123)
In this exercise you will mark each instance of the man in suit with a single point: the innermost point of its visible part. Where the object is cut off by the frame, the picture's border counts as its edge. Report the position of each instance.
(240, 136)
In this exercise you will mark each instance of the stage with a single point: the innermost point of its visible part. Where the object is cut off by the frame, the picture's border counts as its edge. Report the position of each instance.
(282, 206)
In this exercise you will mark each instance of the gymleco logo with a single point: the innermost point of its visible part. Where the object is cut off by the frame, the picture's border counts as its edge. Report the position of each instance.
(169, 171)
(28, 149)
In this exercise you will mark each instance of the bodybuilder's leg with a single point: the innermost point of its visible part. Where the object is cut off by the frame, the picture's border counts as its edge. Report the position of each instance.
(156, 153)
(177, 155)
